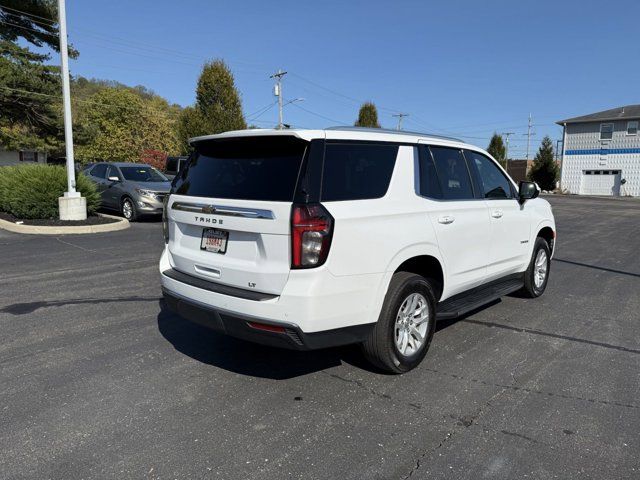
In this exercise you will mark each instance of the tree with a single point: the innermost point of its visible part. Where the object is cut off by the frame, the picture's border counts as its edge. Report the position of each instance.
(497, 150)
(29, 90)
(218, 107)
(544, 170)
(368, 116)
(118, 124)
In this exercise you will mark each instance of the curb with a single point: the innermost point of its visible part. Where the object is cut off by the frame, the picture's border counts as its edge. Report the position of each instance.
(121, 224)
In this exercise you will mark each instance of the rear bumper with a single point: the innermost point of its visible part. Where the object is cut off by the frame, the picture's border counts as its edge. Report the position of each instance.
(239, 326)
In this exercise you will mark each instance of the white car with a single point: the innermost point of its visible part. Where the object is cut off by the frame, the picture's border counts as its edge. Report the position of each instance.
(314, 238)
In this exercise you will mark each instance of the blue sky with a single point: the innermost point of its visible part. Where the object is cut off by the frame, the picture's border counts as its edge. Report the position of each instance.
(465, 68)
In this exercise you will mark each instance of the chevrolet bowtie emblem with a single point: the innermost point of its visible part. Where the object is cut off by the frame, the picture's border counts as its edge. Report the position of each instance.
(208, 209)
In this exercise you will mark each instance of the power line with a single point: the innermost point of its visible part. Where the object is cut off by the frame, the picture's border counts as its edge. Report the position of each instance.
(319, 115)
(3, 7)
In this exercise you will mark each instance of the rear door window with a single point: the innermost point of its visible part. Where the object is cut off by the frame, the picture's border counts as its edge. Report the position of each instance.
(429, 183)
(247, 168)
(357, 171)
(453, 173)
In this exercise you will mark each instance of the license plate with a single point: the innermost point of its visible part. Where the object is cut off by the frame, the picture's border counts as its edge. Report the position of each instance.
(214, 240)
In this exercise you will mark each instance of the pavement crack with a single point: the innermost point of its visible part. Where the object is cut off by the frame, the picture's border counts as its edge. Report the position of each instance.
(534, 391)
(519, 435)
(366, 388)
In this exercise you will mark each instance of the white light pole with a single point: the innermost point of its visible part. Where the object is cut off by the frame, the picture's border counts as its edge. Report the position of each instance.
(72, 206)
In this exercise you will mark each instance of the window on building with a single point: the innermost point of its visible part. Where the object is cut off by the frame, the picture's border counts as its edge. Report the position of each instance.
(606, 131)
(632, 128)
(28, 156)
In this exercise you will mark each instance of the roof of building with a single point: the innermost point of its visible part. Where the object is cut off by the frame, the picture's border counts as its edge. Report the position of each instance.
(620, 113)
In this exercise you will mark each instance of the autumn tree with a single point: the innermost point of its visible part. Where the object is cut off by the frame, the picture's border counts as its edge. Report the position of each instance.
(117, 124)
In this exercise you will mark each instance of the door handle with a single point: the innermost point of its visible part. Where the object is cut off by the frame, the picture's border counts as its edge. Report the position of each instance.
(496, 214)
(446, 219)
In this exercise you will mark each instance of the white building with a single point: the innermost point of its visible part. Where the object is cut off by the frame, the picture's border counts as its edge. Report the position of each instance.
(14, 157)
(601, 153)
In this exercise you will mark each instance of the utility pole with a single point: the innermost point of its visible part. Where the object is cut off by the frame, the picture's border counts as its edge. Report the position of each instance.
(400, 117)
(71, 206)
(506, 150)
(528, 136)
(277, 91)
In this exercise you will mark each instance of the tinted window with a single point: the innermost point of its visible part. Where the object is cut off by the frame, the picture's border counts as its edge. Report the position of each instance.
(249, 168)
(429, 183)
(452, 173)
(142, 173)
(99, 170)
(112, 172)
(356, 171)
(493, 182)
(172, 164)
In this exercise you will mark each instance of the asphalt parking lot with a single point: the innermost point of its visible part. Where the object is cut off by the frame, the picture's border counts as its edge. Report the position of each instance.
(98, 380)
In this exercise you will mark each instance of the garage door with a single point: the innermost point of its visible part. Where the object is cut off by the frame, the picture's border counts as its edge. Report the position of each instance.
(600, 182)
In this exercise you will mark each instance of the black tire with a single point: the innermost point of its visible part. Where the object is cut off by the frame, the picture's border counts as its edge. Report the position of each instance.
(380, 348)
(133, 215)
(530, 288)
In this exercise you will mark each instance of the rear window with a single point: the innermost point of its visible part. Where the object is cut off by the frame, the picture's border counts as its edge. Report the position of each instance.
(249, 168)
(357, 171)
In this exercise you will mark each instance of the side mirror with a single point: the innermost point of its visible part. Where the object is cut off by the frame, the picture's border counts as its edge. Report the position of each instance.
(527, 191)
(113, 178)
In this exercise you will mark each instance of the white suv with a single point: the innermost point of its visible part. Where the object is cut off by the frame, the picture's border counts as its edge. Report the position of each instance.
(314, 238)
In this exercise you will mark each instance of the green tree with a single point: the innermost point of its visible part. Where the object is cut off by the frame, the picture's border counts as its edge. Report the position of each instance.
(218, 107)
(497, 150)
(544, 170)
(29, 89)
(368, 116)
(118, 124)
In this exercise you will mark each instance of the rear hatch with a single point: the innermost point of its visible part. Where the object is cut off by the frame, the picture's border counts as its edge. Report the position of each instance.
(229, 213)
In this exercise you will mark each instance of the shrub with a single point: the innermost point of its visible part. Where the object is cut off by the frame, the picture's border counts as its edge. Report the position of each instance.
(32, 191)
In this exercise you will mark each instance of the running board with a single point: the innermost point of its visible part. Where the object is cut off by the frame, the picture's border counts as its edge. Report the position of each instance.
(465, 302)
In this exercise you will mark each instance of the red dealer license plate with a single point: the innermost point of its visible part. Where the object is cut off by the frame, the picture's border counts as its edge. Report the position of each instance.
(214, 240)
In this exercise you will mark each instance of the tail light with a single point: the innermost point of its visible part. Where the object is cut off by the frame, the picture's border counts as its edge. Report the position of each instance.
(165, 218)
(311, 230)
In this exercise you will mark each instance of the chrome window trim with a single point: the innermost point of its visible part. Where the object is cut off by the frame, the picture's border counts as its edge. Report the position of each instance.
(223, 210)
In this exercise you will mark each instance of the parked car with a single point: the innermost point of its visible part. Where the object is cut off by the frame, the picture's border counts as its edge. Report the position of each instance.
(133, 189)
(313, 238)
(174, 165)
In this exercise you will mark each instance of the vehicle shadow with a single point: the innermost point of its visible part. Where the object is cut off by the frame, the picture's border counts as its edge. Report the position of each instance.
(248, 358)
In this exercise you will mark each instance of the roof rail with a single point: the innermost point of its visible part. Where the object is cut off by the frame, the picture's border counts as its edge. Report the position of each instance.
(396, 132)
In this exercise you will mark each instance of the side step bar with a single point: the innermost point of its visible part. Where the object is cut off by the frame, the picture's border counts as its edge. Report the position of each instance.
(465, 302)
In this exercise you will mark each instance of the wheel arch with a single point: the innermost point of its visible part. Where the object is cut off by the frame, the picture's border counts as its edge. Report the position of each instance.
(548, 233)
(412, 257)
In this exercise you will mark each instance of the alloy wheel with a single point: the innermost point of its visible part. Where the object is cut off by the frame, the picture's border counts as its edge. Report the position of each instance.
(412, 322)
